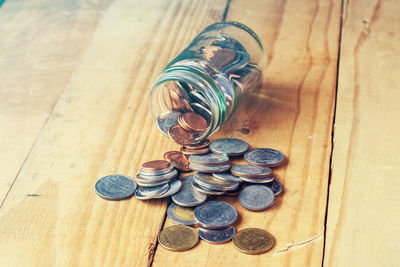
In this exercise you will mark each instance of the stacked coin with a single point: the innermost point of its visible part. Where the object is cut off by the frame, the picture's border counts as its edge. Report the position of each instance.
(196, 149)
(216, 220)
(210, 185)
(209, 163)
(157, 180)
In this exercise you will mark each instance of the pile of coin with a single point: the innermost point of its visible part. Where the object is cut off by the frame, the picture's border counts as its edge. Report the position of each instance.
(156, 179)
(253, 182)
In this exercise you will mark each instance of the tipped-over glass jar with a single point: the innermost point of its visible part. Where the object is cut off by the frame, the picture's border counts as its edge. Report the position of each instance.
(199, 90)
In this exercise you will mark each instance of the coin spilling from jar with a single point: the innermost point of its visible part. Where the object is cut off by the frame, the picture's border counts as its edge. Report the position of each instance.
(192, 203)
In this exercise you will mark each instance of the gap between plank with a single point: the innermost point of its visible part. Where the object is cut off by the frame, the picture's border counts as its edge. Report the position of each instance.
(30, 150)
(153, 252)
(333, 128)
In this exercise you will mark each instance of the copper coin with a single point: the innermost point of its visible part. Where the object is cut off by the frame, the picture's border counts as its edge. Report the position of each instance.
(178, 160)
(189, 151)
(193, 121)
(155, 165)
(180, 136)
(186, 105)
(202, 144)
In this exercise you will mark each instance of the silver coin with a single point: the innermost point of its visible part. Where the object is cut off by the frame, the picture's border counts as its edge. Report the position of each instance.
(169, 169)
(209, 159)
(250, 171)
(139, 182)
(264, 157)
(158, 178)
(226, 176)
(256, 197)
(144, 193)
(115, 187)
(216, 236)
(166, 120)
(188, 196)
(229, 146)
(202, 111)
(215, 214)
(265, 180)
(275, 186)
(207, 191)
(210, 182)
(173, 216)
(174, 186)
(209, 169)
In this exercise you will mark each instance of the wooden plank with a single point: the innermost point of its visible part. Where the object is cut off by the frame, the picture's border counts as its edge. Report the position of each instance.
(99, 126)
(293, 113)
(41, 43)
(364, 206)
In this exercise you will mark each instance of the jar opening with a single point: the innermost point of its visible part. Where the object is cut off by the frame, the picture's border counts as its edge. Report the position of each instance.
(174, 95)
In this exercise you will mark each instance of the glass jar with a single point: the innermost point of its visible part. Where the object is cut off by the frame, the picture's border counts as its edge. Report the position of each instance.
(208, 77)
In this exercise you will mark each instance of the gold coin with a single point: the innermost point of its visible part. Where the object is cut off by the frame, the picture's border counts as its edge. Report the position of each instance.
(184, 213)
(253, 241)
(178, 237)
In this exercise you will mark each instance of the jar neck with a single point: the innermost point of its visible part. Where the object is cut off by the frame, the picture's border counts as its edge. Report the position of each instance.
(194, 74)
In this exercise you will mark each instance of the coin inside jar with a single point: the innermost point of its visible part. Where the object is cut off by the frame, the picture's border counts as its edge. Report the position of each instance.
(179, 135)
(253, 241)
(178, 237)
(192, 122)
(166, 120)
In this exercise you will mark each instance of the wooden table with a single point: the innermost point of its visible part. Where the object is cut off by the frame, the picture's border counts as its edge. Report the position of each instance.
(74, 79)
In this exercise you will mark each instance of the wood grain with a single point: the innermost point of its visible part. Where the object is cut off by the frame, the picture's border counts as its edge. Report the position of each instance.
(293, 113)
(364, 206)
(41, 42)
(100, 125)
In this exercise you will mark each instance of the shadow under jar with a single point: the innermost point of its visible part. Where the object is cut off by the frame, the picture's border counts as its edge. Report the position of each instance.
(208, 78)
